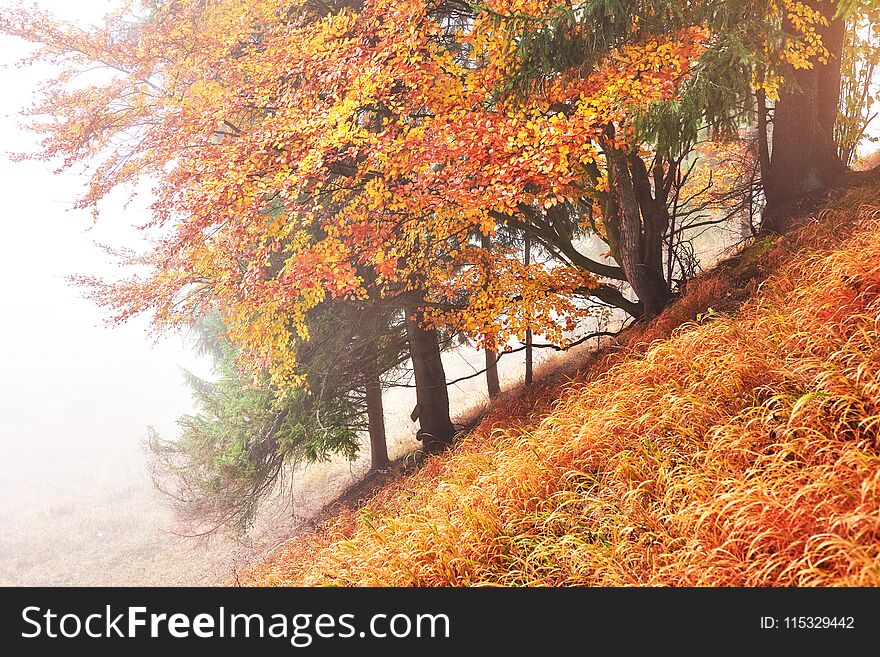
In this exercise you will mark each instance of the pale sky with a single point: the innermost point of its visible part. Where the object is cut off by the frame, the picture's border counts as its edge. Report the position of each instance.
(66, 377)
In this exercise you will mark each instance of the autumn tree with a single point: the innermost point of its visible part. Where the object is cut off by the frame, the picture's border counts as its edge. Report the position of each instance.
(803, 154)
(376, 134)
(493, 385)
(785, 54)
(629, 192)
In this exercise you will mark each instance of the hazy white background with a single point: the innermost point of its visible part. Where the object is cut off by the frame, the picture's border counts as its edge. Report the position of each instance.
(64, 375)
(75, 395)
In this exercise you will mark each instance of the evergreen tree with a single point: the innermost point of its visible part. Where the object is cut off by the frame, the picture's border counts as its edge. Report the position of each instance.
(246, 434)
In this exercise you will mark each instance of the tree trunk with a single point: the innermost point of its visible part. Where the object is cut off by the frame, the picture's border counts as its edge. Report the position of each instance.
(803, 157)
(529, 359)
(646, 280)
(376, 421)
(492, 383)
(763, 137)
(432, 399)
(655, 215)
(527, 258)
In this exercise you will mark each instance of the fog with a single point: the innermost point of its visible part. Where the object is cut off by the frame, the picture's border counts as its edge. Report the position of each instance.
(75, 396)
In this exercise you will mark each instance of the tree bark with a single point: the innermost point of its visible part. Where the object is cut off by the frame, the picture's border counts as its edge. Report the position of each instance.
(646, 280)
(763, 136)
(527, 258)
(432, 399)
(803, 157)
(655, 215)
(492, 383)
(376, 420)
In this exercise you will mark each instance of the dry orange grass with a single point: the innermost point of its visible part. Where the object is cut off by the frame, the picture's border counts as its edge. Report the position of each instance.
(740, 449)
(869, 161)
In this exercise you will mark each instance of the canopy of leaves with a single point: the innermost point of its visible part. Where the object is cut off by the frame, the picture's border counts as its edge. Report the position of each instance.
(304, 153)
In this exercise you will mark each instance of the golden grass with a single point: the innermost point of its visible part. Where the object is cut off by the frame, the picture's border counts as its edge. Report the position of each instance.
(737, 449)
(869, 161)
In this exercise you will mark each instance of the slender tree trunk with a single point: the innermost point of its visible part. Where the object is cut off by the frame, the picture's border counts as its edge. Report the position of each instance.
(763, 136)
(527, 258)
(492, 383)
(432, 399)
(529, 359)
(803, 157)
(376, 421)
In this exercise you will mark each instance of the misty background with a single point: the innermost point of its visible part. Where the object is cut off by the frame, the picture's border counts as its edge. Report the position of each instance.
(75, 395)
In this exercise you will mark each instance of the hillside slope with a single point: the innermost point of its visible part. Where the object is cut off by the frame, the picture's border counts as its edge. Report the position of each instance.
(734, 441)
